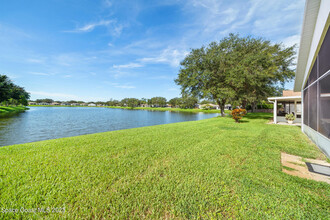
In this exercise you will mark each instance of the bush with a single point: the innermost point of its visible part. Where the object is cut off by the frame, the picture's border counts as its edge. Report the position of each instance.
(290, 117)
(265, 106)
(238, 114)
(262, 105)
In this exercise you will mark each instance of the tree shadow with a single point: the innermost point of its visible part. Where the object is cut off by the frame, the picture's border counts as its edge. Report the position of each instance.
(243, 121)
(258, 115)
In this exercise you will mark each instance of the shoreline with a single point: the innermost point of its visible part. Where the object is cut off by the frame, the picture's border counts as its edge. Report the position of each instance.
(142, 108)
(9, 110)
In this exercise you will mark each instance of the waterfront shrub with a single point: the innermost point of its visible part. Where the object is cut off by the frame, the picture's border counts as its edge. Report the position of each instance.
(238, 114)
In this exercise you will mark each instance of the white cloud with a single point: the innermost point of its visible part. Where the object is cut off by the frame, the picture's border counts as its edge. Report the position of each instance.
(229, 15)
(34, 60)
(125, 87)
(121, 86)
(114, 28)
(53, 95)
(295, 5)
(40, 73)
(117, 73)
(244, 18)
(117, 30)
(211, 5)
(292, 40)
(169, 56)
(91, 26)
(129, 65)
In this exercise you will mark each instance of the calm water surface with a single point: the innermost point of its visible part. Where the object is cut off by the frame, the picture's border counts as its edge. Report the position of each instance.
(43, 123)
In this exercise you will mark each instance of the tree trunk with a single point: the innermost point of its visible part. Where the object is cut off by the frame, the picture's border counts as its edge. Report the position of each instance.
(221, 104)
(244, 102)
(253, 106)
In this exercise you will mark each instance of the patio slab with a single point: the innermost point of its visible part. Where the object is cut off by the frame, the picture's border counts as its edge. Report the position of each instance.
(300, 169)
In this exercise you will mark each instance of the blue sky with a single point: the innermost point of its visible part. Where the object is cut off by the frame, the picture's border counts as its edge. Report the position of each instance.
(97, 50)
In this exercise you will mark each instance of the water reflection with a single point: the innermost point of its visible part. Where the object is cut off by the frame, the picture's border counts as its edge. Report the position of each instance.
(43, 123)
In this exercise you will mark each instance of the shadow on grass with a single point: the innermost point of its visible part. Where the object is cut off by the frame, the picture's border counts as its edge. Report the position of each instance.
(259, 115)
(243, 121)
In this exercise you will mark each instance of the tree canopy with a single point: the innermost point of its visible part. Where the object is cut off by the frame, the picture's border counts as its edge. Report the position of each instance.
(130, 102)
(239, 70)
(157, 101)
(11, 93)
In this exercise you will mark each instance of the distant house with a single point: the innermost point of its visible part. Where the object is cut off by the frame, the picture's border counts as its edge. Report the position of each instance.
(91, 104)
(209, 106)
(32, 103)
(157, 106)
(144, 105)
(55, 103)
(65, 103)
(228, 107)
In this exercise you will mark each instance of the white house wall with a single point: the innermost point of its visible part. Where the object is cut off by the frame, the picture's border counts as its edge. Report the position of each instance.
(319, 32)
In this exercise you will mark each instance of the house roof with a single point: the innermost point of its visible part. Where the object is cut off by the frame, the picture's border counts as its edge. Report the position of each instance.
(310, 17)
(210, 104)
(285, 98)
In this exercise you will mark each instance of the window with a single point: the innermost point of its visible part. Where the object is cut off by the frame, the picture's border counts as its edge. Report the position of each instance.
(324, 107)
(312, 106)
(306, 107)
(324, 55)
(313, 75)
(317, 91)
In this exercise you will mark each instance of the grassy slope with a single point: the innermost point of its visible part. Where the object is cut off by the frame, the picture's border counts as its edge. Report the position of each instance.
(207, 168)
(11, 109)
(141, 108)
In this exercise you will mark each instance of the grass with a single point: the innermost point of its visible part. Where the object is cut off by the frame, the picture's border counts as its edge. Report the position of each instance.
(5, 110)
(213, 168)
(142, 108)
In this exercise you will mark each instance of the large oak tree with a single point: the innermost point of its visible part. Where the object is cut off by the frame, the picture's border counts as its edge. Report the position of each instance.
(239, 70)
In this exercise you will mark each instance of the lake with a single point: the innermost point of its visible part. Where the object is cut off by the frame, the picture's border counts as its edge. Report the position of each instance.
(43, 123)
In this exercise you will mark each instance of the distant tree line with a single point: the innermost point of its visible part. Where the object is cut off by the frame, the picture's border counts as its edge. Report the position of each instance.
(183, 102)
(11, 94)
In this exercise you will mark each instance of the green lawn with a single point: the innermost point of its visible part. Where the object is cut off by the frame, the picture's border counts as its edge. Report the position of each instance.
(212, 168)
(11, 109)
